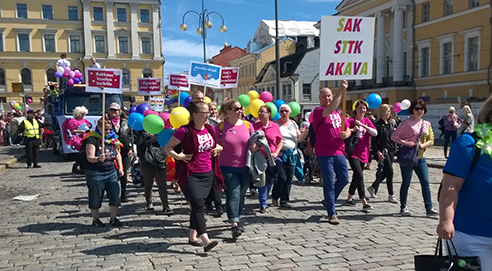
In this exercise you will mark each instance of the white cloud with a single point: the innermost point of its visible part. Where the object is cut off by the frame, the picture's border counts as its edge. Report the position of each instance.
(186, 48)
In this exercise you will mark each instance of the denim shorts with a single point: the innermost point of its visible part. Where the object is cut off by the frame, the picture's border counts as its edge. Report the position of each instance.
(100, 181)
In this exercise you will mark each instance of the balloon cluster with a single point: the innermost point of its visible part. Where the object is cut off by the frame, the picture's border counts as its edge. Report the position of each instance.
(253, 101)
(15, 106)
(75, 75)
(400, 106)
(160, 124)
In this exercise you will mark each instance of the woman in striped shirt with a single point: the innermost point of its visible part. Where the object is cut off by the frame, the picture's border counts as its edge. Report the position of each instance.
(407, 134)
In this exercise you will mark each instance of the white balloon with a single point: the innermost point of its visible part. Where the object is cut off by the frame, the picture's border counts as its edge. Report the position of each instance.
(306, 117)
(405, 104)
(61, 69)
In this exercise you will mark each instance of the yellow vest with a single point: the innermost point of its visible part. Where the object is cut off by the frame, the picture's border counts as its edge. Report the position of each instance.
(31, 129)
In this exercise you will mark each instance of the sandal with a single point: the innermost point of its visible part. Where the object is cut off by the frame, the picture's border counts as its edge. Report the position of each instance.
(194, 243)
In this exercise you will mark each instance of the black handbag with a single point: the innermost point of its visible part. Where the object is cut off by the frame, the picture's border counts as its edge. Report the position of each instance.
(409, 156)
(351, 143)
(451, 262)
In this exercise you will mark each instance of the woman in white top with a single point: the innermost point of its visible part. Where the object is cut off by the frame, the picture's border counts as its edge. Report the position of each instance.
(291, 136)
(468, 121)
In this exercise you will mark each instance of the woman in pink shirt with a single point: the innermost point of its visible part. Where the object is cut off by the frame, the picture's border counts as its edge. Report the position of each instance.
(233, 135)
(196, 168)
(274, 139)
(74, 131)
(364, 129)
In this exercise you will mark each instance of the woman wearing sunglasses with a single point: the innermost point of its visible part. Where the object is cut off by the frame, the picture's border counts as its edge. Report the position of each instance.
(233, 135)
(289, 155)
(407, 134)
(196, 168)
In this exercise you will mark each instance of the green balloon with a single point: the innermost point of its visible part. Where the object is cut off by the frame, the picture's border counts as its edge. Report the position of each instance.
(18, 108)
(273, 108)
(244, 100)
(153, 124)
(295, 108)
(218, 108)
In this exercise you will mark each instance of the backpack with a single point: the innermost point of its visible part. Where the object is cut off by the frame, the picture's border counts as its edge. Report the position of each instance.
(312, 133)
(154, 154)
(476, 156)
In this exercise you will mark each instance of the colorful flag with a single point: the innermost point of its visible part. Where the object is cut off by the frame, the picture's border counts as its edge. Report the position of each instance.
(171, 97)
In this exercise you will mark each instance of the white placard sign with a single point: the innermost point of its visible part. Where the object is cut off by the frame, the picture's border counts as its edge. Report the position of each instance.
(346, 47)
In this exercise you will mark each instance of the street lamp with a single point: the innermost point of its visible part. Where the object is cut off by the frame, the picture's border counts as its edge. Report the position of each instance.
(204, 24)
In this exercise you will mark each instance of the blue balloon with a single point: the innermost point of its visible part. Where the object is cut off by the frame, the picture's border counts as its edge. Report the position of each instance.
(135, 121)
(276, 116)
(164, 136)
(187, 101)
(182, 97)
(374, 100)
(141, 108)
(132, 110)
(279, 103)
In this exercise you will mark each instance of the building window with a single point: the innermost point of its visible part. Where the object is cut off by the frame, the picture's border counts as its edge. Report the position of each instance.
(146, 45)
(50, 75)
(48, 12)
(126, 77)
(99, 44)
(21, 10)
(144, 16)
(448, 7)
(24, 43)
(447, 57)
(2, 77)
(147, 73)
(75, 44)
(1, 42)
(123, 44)
(49, 43)
(26, 76)
(73, 13)
(306, 92)
(97, 14)
(424, 61)
(286, 92)
(426, 12)
(121, 14)
(472, 54)
(474, 3)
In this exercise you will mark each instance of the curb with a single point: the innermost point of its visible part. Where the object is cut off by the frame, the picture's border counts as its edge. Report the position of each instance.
(11, 162)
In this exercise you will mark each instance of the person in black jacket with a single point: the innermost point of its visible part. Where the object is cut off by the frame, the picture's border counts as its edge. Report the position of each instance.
(122, 129)
(383, 149)
(153, 165)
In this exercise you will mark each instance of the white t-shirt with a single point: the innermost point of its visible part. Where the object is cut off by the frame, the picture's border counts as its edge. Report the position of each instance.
(289, 134)
(63, 62)
(96, 65)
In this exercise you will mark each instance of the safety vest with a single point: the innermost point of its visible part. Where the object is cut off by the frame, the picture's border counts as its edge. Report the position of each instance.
(31, 129)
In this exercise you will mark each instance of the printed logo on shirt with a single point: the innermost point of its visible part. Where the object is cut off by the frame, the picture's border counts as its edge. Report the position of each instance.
(361, 132)
(205, 142)
(336, 120)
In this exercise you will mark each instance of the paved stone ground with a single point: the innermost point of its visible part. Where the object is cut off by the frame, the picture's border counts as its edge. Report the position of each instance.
(54, 232)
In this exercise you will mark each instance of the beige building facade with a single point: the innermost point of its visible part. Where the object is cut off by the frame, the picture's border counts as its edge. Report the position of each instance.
(122, 34)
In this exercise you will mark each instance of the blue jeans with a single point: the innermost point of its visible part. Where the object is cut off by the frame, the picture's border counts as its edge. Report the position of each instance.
(449, 136)
(237, 181)
(331, 189)
(422, 172)
(100, 181)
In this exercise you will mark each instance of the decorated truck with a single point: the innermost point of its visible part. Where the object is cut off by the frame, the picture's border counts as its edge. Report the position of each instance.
(60, 108)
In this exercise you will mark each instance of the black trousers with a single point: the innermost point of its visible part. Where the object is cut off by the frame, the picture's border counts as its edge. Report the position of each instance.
(197, 216)
(385, 171)
(32, 150)
(215, 196)
(357, 178)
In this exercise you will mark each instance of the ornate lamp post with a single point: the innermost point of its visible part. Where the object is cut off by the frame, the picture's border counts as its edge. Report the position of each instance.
(204, 24)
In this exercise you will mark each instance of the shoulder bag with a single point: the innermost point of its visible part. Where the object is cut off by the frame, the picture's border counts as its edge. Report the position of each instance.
(409, 156)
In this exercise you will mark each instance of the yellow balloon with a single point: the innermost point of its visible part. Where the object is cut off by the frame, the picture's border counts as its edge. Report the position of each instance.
(246, 111)
(253, 95)
(207, 100)
(16, 104)
(179, 116)
(254, 107)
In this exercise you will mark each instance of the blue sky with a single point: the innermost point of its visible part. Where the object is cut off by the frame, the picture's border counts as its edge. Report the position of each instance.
(241, 17)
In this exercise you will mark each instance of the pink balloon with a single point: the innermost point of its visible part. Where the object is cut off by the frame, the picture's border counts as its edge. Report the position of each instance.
(397, 107)
(150, 112)
(65, 74)
(70, 82)
(78, 74)
(311, 117)
(266, 96)
(71, 74)
(29, 101)
(67, 69)
(164, 116)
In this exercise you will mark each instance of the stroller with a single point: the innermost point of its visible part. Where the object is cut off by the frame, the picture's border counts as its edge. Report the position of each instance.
(310, 168)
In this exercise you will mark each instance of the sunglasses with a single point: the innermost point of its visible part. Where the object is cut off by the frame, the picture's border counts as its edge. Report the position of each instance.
(284, 111)
(237, 109)
(418, 108)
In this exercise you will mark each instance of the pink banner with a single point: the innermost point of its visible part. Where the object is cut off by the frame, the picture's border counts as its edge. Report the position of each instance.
(149, 86)
(178, 81)
(104, 78)
(229, 77)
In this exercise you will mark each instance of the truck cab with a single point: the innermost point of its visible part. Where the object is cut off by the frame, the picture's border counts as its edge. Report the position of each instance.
(60, 108)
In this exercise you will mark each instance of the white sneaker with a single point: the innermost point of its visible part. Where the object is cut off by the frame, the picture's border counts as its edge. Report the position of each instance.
(372, 191)
(392, 199)
(405, 212)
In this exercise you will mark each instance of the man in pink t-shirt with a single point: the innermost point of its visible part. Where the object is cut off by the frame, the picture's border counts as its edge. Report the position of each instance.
(330, 147)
